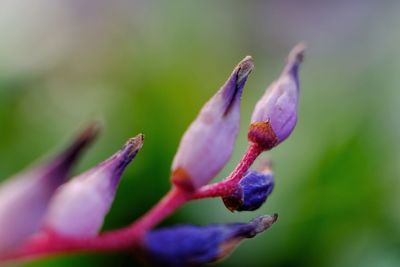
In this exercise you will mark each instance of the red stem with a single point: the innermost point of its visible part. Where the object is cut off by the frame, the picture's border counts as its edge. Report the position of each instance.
(253, 151)
(218, 189)
(48, 243)
(227, 186)
(133, 234)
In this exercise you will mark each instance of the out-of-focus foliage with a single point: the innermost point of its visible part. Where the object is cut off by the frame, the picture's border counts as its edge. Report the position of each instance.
(148, 66)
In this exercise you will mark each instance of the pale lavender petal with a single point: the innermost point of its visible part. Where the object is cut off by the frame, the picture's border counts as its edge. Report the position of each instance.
(278, 107)
(78, 207)
(24, 198)
(207, 145)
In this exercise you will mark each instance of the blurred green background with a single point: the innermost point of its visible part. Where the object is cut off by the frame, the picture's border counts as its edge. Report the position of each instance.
(149, 66)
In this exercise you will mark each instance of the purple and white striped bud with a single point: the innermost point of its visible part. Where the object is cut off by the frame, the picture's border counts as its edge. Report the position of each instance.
(78, 207)
(275, 115)
(188, 245)
(208, 143)
(24, 198)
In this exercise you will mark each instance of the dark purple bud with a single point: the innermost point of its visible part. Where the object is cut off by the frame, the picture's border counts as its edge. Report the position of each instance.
(252, 191)
(24, 198)
(208, 143)
(187, 245)
(78, 207)
(275, 115)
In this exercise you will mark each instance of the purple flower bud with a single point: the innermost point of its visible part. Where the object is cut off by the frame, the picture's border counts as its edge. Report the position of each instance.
(24, 198)
(275, 115)
(207, 145)
(78, 207)
(187, 245)
(253, 190)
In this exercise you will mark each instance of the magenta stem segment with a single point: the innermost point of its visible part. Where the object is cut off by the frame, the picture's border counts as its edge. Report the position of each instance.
(48, 243)
(253, 151)
(127, 237)
(229, 185)
(219, 189)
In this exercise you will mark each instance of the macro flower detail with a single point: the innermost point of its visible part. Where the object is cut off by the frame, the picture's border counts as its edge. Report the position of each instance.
(188, 245)
(42, 215)
(78, 207)
(275, 114)
(208, 143)
(24, 198)
(252, 191)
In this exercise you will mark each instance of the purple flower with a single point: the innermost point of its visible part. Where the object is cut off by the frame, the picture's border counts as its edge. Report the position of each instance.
(78, 207)
(207, 145)
(252, 191)
(187, 245)
(24, 198)
(275, 115)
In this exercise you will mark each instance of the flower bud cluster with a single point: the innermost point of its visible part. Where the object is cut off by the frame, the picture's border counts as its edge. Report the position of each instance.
(41, 200)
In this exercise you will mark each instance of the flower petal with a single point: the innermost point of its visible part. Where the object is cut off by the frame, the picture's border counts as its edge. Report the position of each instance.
(187, 245)
(275, 115)
(78, 207)
(24, 198)
(207, 145)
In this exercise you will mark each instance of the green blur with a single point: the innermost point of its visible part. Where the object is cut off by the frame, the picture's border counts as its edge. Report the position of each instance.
(150, 66)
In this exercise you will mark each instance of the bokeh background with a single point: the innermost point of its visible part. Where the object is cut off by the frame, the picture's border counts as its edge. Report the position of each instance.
(149, 66)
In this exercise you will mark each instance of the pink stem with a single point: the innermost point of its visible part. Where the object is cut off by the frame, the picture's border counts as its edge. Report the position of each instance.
(47, 243)
(253, 151)
(229, 185)
(129, 236)
(219, 189)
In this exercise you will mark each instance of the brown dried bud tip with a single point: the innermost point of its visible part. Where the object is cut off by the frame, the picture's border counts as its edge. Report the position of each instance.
(262, 134)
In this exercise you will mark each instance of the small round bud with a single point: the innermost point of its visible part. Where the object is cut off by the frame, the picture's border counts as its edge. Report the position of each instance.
(253, 190)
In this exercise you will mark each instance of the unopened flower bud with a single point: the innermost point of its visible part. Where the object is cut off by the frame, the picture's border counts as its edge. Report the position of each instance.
(275, 115)
(207, 145)
(24, 198)
(252, 191)
(188, 245)
(78, 207)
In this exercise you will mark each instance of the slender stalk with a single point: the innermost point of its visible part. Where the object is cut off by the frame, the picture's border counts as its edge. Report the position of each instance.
(47, 243)
(253, 151)
(219, 189)
(127, 237)
(229, 185)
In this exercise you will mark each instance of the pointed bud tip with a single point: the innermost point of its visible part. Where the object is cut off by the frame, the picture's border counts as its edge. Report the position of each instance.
(244, 68)
(264, 222)
(91, 131)
(296, 55)
(135, 143)
(94, 191)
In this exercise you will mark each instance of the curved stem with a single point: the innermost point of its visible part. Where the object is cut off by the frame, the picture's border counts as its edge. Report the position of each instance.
(219, 189)
(47, 243)
(127, 237)
(253, 151)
